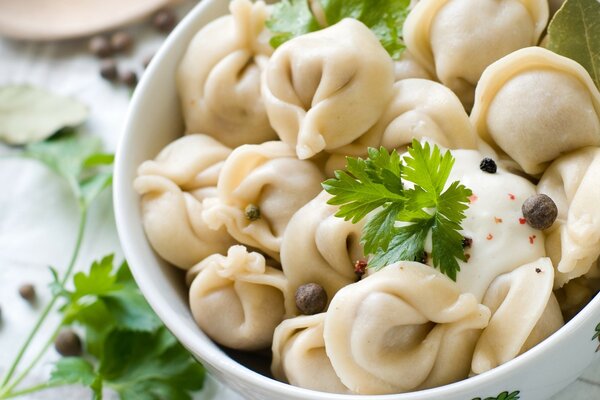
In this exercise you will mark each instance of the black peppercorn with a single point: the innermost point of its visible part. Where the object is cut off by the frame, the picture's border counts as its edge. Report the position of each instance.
(539, 211)
(128, 78)
(27, 291)
(488, 165)
(67, 343)
(311, 299)
(100, 46)
(121, 41)
(108, 69)
(164, 20)
(252, 212)
(467, 242)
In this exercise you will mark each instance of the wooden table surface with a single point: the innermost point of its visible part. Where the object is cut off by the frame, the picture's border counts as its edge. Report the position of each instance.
(38, 219)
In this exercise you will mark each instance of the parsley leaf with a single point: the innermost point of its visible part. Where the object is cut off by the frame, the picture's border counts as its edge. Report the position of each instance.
(401, 219)
(366, 184)
(292, 18)
(72, 370)
(103, 300)
(129, 350)
(78, 159)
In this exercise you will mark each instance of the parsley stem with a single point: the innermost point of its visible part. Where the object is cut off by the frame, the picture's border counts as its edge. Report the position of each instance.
(50, 305)
(34, 362)
(28, 390)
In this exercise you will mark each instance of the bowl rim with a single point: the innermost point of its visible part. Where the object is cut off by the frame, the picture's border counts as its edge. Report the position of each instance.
(221, 361)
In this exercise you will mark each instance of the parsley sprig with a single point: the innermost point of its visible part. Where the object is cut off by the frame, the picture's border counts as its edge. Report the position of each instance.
(292, 18)
(400, 218)
(128, 349)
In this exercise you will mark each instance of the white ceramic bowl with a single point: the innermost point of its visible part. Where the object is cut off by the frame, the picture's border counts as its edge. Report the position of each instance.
(155, 120)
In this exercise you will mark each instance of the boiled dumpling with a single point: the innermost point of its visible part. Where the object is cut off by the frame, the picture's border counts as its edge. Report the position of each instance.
(324, 89)
(271, 181)
(299, 356)
(404, 328)
(319, 247)
(418, 109)
(524, 312)
(573, 182)
(457, 39)
(173, 187)
(408, 67)
(238, 300)
(535, 105)
(219, 77)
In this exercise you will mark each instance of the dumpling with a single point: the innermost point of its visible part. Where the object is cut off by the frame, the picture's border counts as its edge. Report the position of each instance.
(573, 241)
(535, 105)
(418, 109)
(238, 300)
(173, 187)
(524, 312)
(494, 223)
(457, 39)
(260, 188)
(577, 293)
(299, 356)
(219, 77)
(319, 247)
(403, 328)
(324, 89)
(408, 67)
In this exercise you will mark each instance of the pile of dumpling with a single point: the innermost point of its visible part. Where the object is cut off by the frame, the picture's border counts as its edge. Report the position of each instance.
(237, 202)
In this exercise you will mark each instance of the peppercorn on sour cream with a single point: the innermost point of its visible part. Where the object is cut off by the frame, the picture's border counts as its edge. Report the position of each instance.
(497, 237)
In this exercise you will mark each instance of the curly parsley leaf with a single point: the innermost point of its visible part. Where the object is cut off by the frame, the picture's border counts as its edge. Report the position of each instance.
(400, 219)
(366, 185)
(79, 160)
(292, 18)
(408, 244)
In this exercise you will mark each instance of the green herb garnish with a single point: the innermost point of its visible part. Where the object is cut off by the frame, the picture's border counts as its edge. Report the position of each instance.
(402, 218)
(128, 348)
(292, 18)
(574, 32)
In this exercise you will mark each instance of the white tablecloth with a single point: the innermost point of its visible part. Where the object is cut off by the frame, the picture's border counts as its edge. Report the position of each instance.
(38, 218)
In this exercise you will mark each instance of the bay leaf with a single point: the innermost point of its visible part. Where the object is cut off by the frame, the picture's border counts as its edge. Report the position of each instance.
(574, 32)
(30, 114)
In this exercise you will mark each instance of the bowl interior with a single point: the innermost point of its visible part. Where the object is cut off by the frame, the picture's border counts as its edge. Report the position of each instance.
(155, 120)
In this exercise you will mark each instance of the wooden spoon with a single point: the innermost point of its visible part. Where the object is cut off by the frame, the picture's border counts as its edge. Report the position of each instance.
(45, 20)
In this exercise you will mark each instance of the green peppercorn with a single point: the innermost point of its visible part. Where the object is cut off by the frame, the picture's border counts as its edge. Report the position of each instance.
(539, 211)
(252, 212)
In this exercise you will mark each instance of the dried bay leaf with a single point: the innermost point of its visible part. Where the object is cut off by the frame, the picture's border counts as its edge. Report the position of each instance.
(29, 114)
(574, 32)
